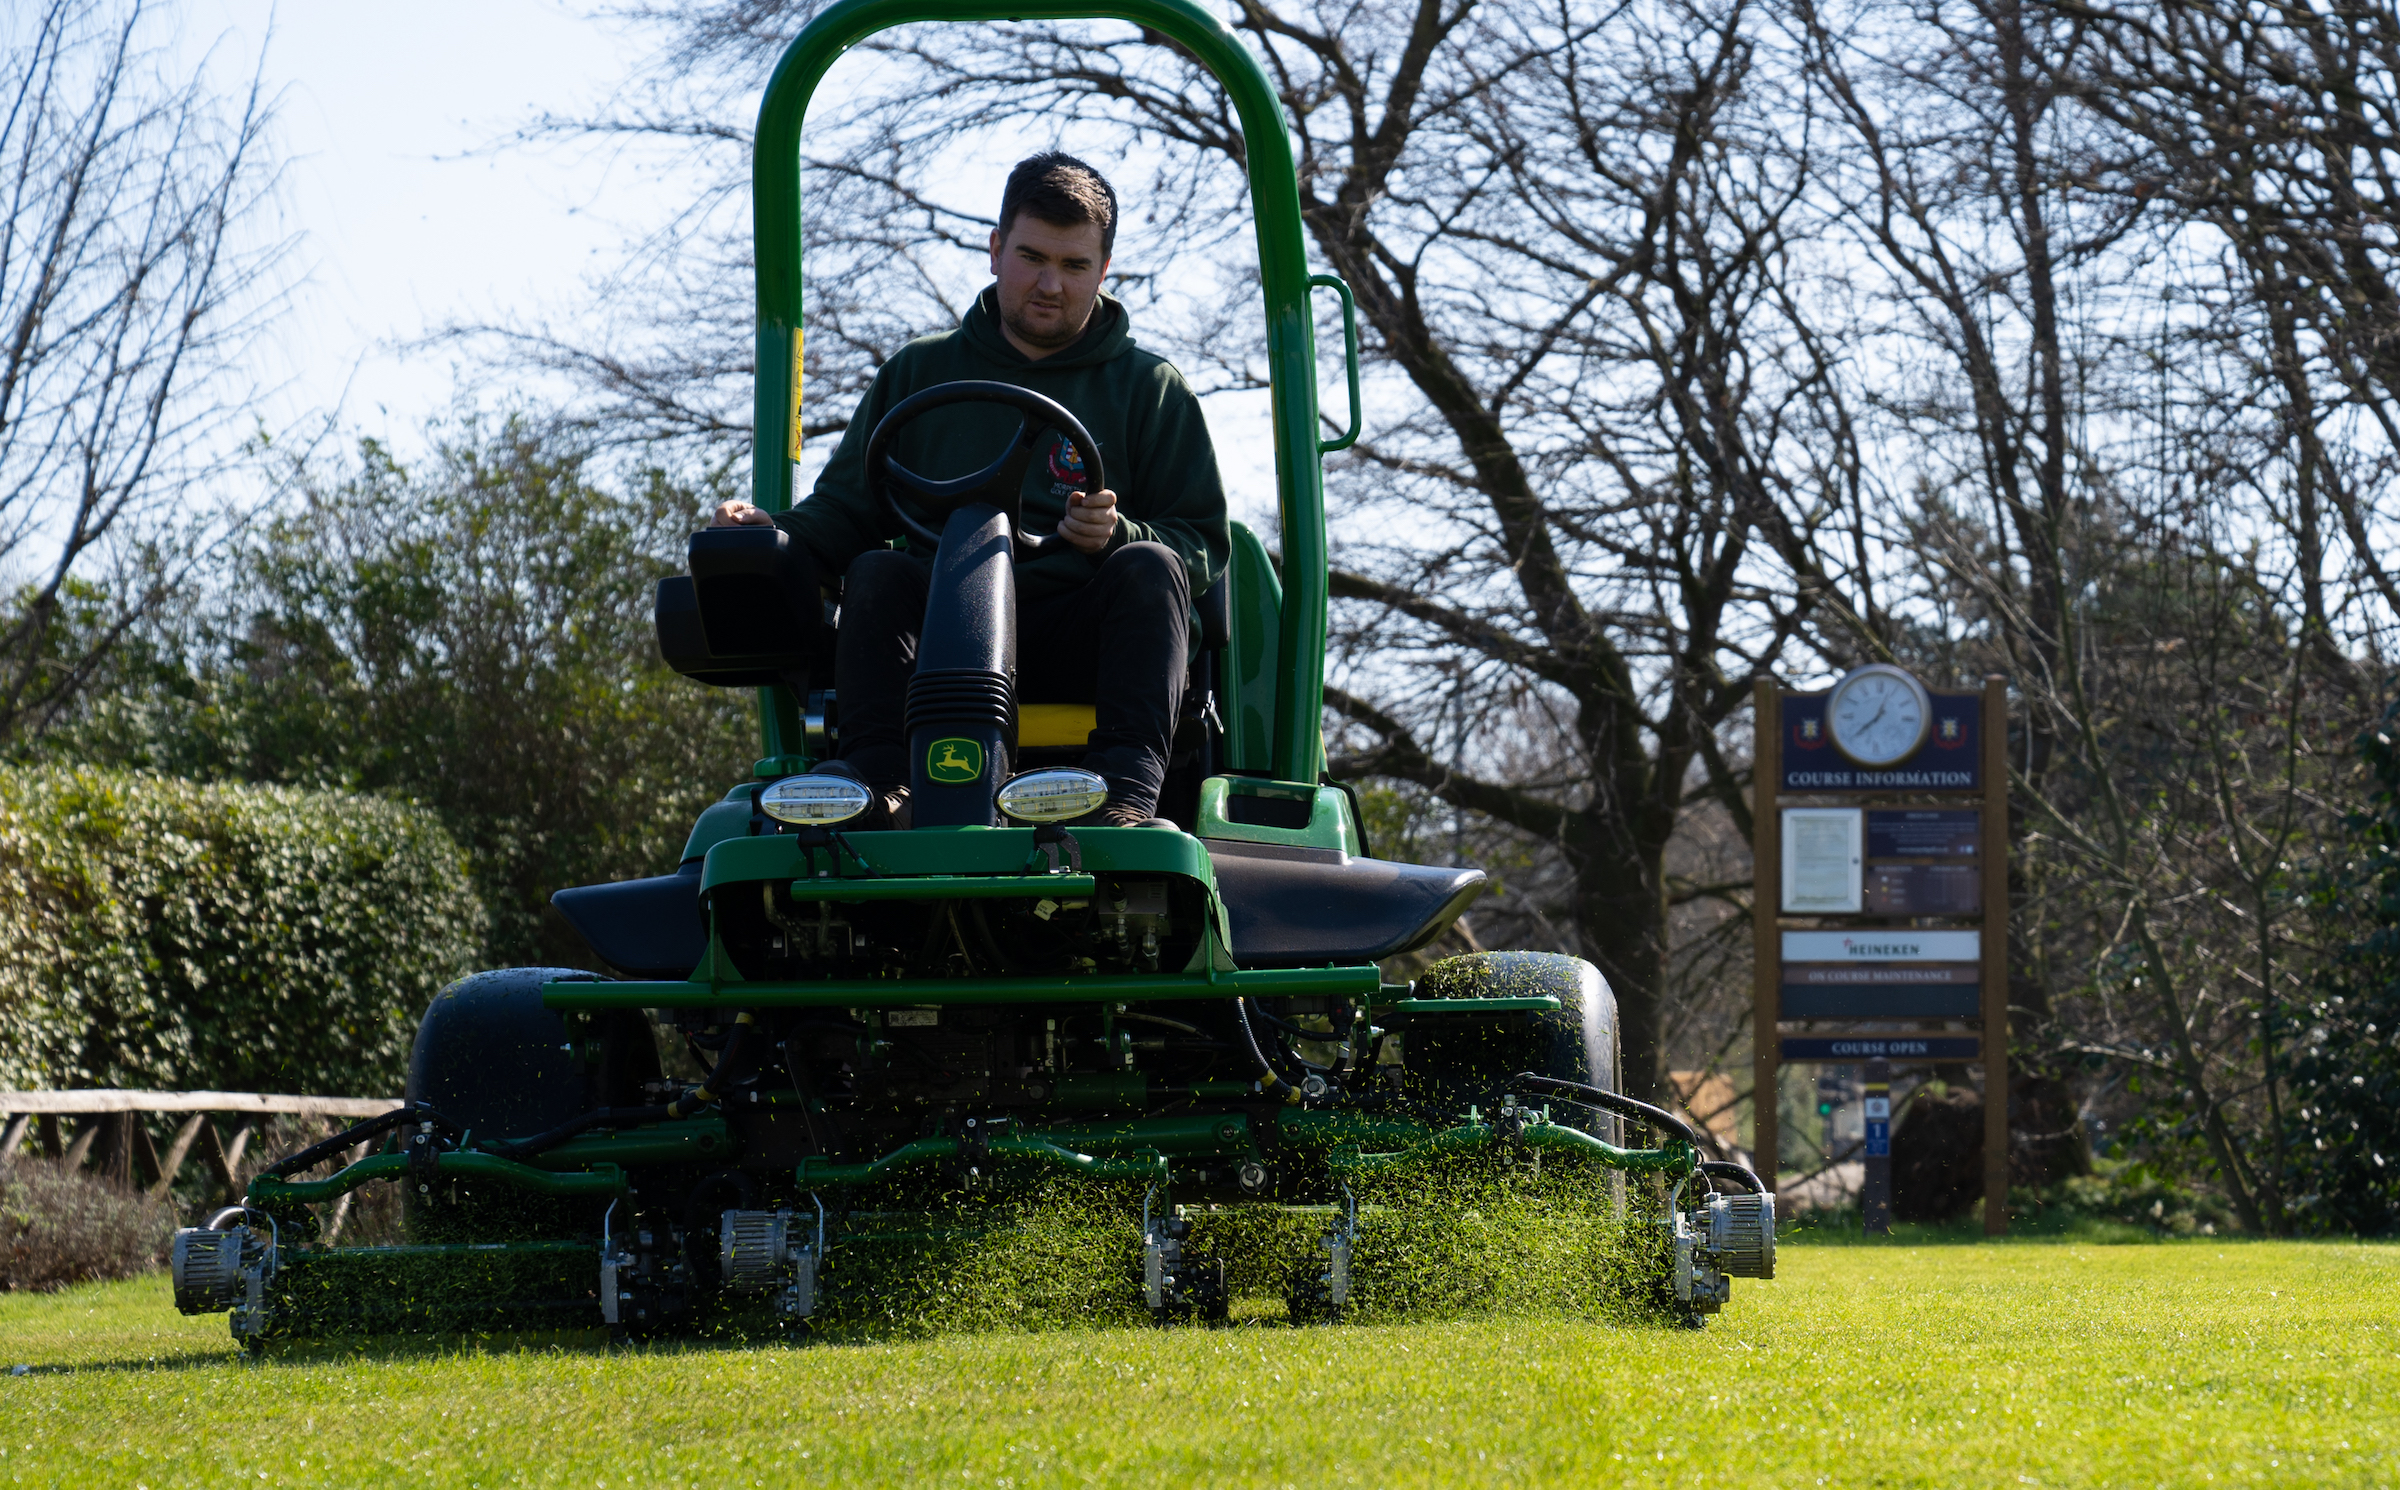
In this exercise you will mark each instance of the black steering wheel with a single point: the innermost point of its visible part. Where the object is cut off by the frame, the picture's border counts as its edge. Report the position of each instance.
(1001, 483)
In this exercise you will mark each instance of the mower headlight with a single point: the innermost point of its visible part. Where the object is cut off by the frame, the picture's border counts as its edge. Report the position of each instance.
(1052, 795)
(814, 801)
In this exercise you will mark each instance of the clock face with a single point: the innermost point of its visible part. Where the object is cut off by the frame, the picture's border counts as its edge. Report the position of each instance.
(1878, 715)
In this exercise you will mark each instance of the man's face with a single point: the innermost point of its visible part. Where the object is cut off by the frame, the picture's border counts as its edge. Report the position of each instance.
(1049, 278)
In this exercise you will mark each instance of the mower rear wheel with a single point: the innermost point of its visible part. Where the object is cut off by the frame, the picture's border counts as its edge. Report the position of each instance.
(1455, 1061)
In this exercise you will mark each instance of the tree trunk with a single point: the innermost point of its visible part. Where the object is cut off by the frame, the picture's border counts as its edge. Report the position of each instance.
(1622, 918)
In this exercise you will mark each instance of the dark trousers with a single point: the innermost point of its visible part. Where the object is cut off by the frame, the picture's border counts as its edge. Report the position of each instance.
(1117, 644)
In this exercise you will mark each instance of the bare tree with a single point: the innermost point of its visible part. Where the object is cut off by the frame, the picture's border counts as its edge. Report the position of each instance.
(1711, 338)
(1608, 442)
(130, 289)
(2102, 471)
(2278, 126)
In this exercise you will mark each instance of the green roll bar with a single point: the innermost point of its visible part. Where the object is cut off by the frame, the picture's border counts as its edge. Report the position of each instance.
(1284, 281)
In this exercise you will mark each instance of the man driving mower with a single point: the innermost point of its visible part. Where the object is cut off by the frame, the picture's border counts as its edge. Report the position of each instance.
(1105, 618)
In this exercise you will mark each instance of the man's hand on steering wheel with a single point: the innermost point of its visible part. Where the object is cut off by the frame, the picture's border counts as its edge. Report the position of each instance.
(1091, 520)
(740, 514)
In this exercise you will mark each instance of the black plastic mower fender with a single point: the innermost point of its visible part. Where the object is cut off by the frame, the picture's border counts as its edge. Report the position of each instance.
(1457, 1059)
(494, 1061)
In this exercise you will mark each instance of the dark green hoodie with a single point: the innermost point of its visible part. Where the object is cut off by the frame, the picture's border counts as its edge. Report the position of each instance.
(1154, 447)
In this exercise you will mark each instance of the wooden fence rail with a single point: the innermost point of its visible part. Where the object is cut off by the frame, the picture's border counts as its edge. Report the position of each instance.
(124, 1142)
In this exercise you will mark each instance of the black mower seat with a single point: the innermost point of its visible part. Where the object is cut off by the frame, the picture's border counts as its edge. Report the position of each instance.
(648, 928)
(1295, 907)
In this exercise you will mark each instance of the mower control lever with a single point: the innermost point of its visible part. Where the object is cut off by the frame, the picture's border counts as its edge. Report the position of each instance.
(1001, 484)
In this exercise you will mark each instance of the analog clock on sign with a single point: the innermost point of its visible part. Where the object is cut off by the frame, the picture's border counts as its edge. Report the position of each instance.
(1878, 714)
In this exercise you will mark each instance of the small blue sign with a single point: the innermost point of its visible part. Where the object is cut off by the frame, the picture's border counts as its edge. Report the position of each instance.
(1879, 1139)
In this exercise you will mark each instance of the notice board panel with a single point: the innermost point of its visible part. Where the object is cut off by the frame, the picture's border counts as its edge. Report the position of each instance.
(1929, 834)
(1924, 890)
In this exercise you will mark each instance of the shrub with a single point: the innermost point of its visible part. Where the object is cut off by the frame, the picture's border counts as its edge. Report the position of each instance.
(2342, 1129)
(60, 1226)
(165, 933)
(2132, 1194)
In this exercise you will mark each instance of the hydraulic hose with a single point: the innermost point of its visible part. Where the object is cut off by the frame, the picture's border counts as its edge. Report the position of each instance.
(690, 1102)
(1740, 1174)
(1268, 1079)
(714, 1087)
(1322, 1037)
(398, 1117)
(602, 1117)
(1623, 1106)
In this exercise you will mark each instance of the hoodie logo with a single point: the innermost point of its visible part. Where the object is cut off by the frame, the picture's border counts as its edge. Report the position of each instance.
(1066, 467)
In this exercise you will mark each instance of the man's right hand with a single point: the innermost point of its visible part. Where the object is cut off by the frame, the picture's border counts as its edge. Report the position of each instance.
(740, 514)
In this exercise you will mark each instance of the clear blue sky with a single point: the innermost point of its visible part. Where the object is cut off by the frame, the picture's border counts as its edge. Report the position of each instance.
(409, 219)
(414, 212)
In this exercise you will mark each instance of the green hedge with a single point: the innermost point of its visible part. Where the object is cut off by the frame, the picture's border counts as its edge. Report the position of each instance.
(163, 933)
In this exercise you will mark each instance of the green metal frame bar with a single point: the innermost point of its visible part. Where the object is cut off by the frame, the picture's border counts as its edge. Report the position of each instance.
(317, 1256)
(1283, 281)
(952, 887)
(603, 1181)
(875, 993)
(921, 853)
(1528, 1003)
(1136, 1149)
(1673, 1158)
(1146, 1166)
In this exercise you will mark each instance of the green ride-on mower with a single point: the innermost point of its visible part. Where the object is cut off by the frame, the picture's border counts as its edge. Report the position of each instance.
(1185, 1018)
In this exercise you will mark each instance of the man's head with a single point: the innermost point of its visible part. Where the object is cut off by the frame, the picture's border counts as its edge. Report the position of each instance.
(1058, 225)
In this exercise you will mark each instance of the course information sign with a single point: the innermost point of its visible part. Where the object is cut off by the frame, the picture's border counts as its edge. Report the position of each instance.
(1950, 760)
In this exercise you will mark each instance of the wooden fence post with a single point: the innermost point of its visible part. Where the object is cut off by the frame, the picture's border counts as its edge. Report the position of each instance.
(177, 1151)
(1766, 950)
(81, 1147)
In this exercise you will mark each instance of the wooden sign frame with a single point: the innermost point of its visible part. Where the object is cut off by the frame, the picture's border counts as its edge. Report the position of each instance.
(1767, 928)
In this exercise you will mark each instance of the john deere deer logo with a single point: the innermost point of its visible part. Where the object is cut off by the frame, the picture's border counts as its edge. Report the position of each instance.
(953, 762)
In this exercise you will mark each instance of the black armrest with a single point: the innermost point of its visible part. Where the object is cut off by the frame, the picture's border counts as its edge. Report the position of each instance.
(749, 613)
(1216, 614)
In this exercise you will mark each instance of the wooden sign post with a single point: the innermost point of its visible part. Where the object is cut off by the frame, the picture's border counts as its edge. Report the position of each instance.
(1880, 917)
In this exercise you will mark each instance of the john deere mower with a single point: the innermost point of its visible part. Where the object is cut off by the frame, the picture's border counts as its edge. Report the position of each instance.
(874, 1028)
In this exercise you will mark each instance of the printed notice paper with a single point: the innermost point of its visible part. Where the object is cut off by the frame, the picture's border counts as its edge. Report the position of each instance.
(1823, 849)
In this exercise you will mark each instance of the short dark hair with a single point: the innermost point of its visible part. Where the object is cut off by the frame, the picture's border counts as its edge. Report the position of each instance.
(1062, 191)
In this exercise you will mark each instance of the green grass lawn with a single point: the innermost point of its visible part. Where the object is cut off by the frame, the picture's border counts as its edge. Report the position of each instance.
(2049, 1363)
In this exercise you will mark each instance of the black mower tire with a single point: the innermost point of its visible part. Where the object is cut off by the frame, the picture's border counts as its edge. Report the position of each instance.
(1456, 1061)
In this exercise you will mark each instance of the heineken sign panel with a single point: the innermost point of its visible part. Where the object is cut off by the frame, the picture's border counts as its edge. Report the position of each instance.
(1881, 975)
(1950, 760)
(1882, 946)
